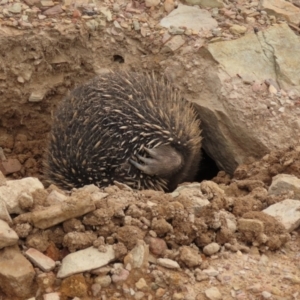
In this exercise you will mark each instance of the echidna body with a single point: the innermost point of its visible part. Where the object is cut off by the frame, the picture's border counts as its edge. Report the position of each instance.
(128, 127)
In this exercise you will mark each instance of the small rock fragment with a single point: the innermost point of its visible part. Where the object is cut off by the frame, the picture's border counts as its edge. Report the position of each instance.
(8, 237)
(168, 263)
(44, 262)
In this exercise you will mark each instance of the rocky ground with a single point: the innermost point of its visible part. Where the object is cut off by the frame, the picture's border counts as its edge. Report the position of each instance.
(235, 237)
(223, 239)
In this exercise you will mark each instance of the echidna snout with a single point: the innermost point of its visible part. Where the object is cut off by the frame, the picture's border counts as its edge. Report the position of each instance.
(127, 127)
(164, 161)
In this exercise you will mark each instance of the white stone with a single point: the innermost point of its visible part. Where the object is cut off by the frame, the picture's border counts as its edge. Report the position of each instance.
(44, 262)
(283, 183)
(8, 237)
(168, 263)
(213, 293)
(85, 260)
(287, 212)
(191, 17)
(9, 193)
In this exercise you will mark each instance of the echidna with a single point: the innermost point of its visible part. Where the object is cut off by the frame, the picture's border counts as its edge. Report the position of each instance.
(123, 126)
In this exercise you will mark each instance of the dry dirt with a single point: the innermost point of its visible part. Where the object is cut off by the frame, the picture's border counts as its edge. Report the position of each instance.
(52, 61)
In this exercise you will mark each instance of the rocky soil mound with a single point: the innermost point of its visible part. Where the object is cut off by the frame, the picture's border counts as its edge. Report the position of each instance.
(221, 239)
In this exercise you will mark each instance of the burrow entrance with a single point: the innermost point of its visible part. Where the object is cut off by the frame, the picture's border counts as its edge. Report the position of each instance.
(36, 71)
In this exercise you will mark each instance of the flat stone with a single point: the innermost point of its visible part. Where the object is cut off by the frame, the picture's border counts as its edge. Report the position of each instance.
(231, 55)
(16, 273)
(44, 262)
(168, 263)
(9, 166)
(85, 260)
(55, 214)
(191, 17)
(283, 183)
(8, 237)
(13, 188)
(282, 8)
(287, 212)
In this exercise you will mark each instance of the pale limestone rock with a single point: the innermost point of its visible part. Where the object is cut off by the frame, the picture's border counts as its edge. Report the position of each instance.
(231, 114)
(168, 263)
(190, 17)
(8, 237)
(85, 260)
(287, 212)
(58, 213)
(16, 273)
(44, 262)
(9, 193)
(283, 183)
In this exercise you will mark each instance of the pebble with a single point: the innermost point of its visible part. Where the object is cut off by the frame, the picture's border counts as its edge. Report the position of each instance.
(213, 293)
(168, 263)
(211, 249)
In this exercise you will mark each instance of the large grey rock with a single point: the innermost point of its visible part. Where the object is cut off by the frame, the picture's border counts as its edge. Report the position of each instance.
(191, 17)
(239, 121)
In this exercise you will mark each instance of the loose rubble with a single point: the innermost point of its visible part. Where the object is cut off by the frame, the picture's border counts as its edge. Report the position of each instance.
(233, 237)
(151, 243)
